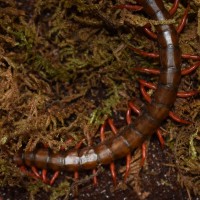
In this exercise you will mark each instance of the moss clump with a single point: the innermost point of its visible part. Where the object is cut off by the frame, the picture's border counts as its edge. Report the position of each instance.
(187, 154)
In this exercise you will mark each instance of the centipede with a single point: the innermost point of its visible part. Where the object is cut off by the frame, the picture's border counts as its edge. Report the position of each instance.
(150, 116)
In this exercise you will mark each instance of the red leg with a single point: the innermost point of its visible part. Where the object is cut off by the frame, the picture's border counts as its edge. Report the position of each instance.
(102, 136)
(160, 137)
(134, 108)
(143, 53)
(128, 163)
(112, 165)
(179, 94)
(112, 126)
(187, 94)
(94, 172)
(113, 173)
(144, 94)
(143, 154)
(177, 119)
(183, 21)
(146, 84)
(190, 69)
(25, 171)
(54, 177)
(174, 7)
(44, 176)
(76, 177)
(35, 171)
(147, 30)
(155, 55)
(102, 131)
(189, 56)
(128, 118)
(147, 70)
(157, 72)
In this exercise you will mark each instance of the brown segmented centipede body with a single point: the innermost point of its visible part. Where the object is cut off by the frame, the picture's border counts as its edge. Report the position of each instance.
(144, 126)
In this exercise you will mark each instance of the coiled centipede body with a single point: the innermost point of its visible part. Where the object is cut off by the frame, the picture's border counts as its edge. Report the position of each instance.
(134, 134)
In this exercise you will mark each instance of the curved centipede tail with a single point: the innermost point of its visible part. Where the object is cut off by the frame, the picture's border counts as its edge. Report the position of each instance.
(86, 158)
